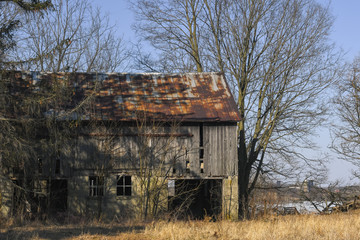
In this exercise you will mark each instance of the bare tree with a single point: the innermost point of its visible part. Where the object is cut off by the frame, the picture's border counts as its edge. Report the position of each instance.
(156, 150)
(73, 37)
(30, 125)
(144, 154)
(173, 28)
(346, 130)
(15, 147)
(324, 199)
(276, 56)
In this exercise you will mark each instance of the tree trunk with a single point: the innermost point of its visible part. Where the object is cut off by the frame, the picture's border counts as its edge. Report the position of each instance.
(243, 178)
(243, 188)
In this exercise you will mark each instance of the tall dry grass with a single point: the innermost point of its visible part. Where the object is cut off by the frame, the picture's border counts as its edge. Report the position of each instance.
(335, 226)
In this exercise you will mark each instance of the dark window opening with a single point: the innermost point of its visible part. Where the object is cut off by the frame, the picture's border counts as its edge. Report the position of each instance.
(187, 166)
(96, 186)
(40, 165)
(201, 148)
(57, 166)
(201, 166)
(201, 135)
(201, 153)
(174, 166)
(123, 186)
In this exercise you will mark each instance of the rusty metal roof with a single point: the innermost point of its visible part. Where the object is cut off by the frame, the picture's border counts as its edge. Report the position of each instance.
(120, 96)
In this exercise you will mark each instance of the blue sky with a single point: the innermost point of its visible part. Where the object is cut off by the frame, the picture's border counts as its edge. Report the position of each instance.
(346, 31)
(120, 14)
(345, 34)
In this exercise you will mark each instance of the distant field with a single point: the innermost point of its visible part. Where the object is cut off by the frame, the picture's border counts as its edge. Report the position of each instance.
(336, 226)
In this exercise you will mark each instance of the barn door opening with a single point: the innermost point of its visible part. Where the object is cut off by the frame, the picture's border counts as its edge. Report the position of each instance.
(58, 195)
(195, 198)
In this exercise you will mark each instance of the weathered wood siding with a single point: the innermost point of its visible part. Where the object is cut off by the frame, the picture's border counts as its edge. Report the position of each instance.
(178, 155)
(220, 150)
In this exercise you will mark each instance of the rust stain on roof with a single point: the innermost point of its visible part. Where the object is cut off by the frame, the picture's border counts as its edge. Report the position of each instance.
(117, 96)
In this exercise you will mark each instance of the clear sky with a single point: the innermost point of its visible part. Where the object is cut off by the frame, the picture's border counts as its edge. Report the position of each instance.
(346, 31)
(120, 14)
(345, 34)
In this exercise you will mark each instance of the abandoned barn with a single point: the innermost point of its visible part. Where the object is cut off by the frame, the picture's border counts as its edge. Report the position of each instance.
(120, 145)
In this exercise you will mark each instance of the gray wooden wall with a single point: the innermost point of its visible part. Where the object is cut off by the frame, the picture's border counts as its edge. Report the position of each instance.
(177, 154)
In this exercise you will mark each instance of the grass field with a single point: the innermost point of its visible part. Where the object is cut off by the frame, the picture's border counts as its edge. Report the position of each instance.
(335, 226)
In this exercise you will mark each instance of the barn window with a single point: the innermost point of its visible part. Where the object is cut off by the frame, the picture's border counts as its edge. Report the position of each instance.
(123, 186)
(201, 132)
(57, 166)
(40, 165)
(96, 186)
(201, 148)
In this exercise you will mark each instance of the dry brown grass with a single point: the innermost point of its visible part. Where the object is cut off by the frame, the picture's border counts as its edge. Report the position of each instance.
(336, 226)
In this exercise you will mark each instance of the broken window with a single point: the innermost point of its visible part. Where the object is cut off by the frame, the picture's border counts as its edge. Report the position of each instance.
(123, 187)
(96, 186)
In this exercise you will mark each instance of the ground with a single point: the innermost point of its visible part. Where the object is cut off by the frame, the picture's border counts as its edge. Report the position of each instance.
(334, 226)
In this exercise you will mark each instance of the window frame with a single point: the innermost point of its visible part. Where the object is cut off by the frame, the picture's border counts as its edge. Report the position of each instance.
(124, 186)
(96, 186)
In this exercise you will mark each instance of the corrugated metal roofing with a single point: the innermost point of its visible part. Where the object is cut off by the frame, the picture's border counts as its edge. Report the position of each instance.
(120, 96)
